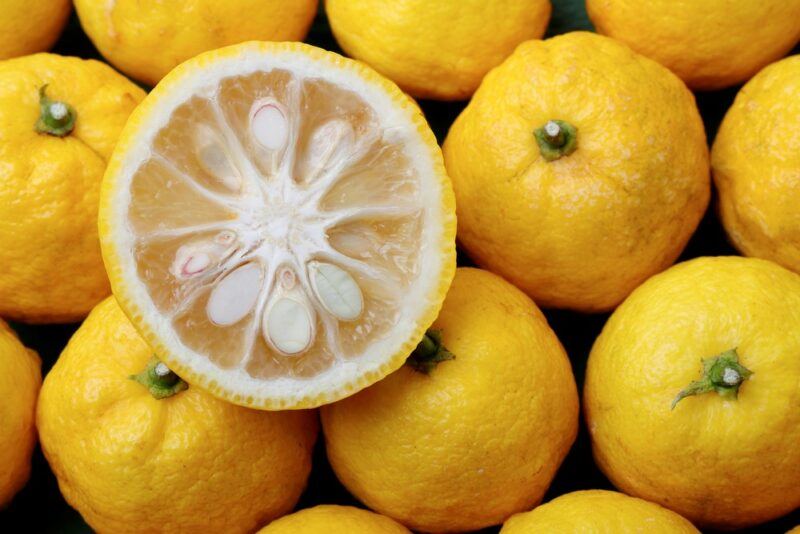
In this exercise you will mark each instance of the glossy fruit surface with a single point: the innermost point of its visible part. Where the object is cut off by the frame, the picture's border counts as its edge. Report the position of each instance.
(439, 50)
(489, 426)
(691, 390)
(330, 519)
(162, 457)
(27, 27)
(581, 224)
(710, 44)
(756, 166)
(146, 40)
(20, 379)
(50, 182)
(598, 512)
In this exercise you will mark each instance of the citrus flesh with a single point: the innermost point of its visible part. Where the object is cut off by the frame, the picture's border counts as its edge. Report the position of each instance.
(277, 223)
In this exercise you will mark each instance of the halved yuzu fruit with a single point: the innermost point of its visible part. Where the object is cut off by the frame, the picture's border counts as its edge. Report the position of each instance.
(277, 223)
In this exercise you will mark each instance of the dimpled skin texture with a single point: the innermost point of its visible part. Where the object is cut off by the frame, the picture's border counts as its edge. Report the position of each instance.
(27, 27)
(331, 519)
(583, 231)
(598, 512)
(480, 437)
(20, 379)
(720, 463)
(756, 166)
(49, 186)
(146, 39)
(188, 463)
(439, 50)
(710, 44)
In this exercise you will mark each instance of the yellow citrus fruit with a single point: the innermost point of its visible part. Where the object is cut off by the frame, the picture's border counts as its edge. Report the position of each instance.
(51, 166)
(331, 519)
(598, 512)
(438, 50)
(146, 39)
(136, 450)
(20, 379)
(28, 27)
(574, 184)
(691, 392)
(756, 166)
(474, 428)
(277, 222)
(710, 44)
(795, 530)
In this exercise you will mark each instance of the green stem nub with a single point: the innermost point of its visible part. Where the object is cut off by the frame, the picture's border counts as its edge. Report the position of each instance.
(56, 117)
(160, 380)
(429, 353)
(723, 374)
(556, 139)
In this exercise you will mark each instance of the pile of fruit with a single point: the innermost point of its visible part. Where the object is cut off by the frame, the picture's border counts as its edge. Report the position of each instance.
(258, 239)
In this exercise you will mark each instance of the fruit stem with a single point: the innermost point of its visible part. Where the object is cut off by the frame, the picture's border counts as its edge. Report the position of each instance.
(429, 353)
(723, 374)
(160, 380)
(56, 117)
(556, 139)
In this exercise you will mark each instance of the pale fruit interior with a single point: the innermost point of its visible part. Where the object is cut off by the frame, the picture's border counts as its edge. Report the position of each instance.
(277, 227)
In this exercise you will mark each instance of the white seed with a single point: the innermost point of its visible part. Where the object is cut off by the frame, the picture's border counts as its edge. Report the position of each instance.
(336, 290)
(288, 324)
(197, 256)
(235, 295)
(269, 126)
(215, 159)
(330, 143)
(196, 264)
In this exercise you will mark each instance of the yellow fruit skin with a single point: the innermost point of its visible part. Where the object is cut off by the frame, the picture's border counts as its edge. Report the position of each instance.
(480, 437)
(756, 166)
(331, 519)
(20, 379)
(147, 38)
(28, 27)
(188, 463)
(598, 512)
(49, 186)
(114, 256)
(439, 50)
(583, 231)
(710, 44)
(720, 463)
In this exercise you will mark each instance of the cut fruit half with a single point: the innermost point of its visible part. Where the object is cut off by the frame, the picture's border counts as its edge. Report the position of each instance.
(277, 222)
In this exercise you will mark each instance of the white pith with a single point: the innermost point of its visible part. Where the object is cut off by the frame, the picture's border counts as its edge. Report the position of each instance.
(291, 238)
